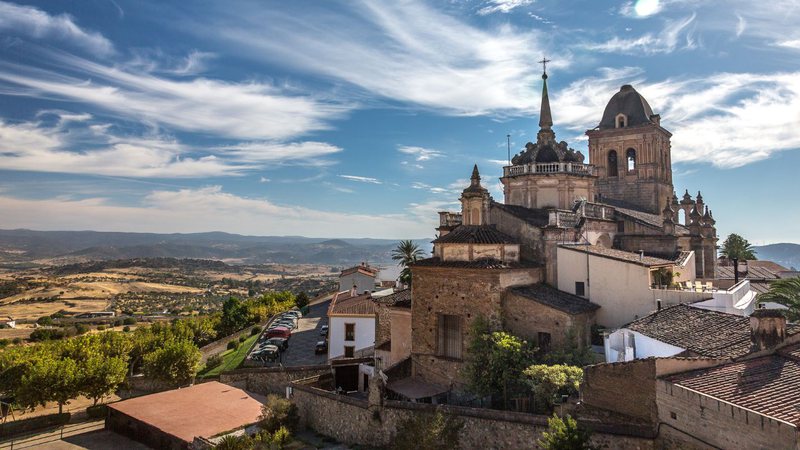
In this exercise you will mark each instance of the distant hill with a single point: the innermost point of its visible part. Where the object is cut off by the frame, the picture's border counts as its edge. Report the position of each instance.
(20, 246)
(787, 255)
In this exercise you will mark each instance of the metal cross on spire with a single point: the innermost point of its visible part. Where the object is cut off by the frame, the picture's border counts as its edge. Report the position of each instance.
(544, 62)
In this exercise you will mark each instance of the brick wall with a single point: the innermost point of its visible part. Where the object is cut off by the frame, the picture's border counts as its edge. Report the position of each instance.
(525, 318)
(717, 423)
(627, 388)
(354, 421)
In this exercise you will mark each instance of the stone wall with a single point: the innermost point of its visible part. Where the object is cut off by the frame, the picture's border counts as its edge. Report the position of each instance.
(270, 380)
(467, 293)
(717, 423)
(604, 385)
(383, 324)
(354, 421)
(525, 318)
(220, 345)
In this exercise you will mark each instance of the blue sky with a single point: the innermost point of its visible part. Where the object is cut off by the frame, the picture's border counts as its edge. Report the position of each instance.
(363, 118)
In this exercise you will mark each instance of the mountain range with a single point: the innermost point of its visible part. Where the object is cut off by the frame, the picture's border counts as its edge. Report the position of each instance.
(787, 255)
(77, 246)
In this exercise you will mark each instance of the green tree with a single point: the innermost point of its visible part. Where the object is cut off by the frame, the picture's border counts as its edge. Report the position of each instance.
(406, 253)
(101, 376)
(548, 381)
(785, 291)
(50, 379)
(565, 434)
(435, 431)
(175, 362)
(573, 351)
(496, 361)
(737, 247)
(302, 300)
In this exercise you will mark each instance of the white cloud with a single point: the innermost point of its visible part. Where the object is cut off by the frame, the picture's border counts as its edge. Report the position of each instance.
(206, 209)
(404, 50)
(420, 153)
(39, 24)
(361, 179)
(249, 110)
(793, 44)
(741, 25)
(306, 153)
(675, 35)
(503, 6)
(725, 119)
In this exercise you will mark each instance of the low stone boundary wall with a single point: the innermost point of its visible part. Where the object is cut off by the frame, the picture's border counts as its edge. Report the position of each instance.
(270, 380)
(354, 421)
(15, 427)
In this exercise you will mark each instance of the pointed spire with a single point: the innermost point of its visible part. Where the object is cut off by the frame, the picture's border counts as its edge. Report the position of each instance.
(668, 213)
(545, 117)
(476, 177)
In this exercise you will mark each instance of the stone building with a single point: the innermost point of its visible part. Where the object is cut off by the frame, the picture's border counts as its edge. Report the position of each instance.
(500, 260)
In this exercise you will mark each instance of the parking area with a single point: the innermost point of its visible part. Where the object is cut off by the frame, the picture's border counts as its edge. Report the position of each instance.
(301, 351)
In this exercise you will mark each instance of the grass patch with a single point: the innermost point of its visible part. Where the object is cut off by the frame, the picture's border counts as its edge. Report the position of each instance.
(231, 359)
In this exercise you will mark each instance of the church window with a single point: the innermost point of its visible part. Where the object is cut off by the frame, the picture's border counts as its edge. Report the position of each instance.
(612, 163)
(449, 336)
(630, 155)
(622, 121)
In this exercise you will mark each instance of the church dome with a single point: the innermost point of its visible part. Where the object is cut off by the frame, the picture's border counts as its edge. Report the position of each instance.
(629, 103)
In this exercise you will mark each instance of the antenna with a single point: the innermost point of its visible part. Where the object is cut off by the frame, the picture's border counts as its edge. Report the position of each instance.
(508, 139)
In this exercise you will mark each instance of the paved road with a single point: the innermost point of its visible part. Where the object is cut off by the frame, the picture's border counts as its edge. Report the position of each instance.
(305, 337)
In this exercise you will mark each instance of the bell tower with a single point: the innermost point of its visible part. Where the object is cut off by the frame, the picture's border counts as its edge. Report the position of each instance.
(631, 153)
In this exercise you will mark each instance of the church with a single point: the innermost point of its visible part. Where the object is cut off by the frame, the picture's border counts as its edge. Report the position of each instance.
(572, 244)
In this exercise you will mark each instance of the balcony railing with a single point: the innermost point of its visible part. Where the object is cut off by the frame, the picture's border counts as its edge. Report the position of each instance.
(545, 168)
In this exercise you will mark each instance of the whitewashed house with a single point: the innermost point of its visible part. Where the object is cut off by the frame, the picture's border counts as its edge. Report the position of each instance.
(362, 277)
(351, 325)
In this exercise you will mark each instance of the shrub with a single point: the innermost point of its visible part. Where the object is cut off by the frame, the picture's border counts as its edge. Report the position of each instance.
(97, 411)
(44, 321)
(81, 328)
(118, 322)
(278, 412)
(549, 381)
(427, 431)
(254, 331)
(278, 439)
(4, 342)
(242, 338)
(126, 329)
(565, 435)
(232, 345)
(213, 361)
(45, 334)
(129, 321)
(101, 328)
(16, 341)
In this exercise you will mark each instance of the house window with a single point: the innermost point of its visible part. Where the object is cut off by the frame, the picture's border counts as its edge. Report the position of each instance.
(449, 336)
(349, 332)
(630, 155)
(580, 289)
(612, 163)
(544, 341)
(348, 351)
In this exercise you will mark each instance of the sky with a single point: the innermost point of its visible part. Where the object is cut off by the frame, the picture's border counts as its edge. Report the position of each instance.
(364, 118)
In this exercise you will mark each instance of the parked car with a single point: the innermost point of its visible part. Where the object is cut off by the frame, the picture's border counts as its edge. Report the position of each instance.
(281, 332)
(295, 312)
(287, 323)
(323, 331)
(322, 347)
(268, 353)
(281, 343)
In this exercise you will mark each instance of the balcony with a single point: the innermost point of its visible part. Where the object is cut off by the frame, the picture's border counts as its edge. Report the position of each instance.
(548, 168)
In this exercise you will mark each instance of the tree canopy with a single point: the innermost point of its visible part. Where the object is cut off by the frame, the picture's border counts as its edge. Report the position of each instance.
(406, 253)
(785, 291)
(737, 247)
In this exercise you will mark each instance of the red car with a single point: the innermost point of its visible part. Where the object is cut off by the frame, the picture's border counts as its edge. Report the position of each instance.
(281, 332)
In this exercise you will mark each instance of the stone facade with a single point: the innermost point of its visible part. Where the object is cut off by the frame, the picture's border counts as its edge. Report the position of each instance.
(527, 318)
(466, 293)
(270, 380)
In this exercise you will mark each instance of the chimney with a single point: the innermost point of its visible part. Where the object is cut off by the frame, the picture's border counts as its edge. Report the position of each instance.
(353, 291)
(735, 271)
(658, 304)
(641, 255)
(767, 328)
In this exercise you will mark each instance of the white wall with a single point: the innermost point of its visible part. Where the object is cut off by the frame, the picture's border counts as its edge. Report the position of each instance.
(635, 345)
(739, 300)
(363, 283)
(622, 289)
(364, 336)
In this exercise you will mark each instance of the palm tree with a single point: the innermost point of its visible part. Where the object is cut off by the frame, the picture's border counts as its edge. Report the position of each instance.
(406, 253)
(737, 247)
(786, 292)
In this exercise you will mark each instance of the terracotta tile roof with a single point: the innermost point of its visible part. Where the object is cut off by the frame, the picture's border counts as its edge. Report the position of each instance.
(552, 297)
(769, 385)
(400, 299)
(653, 220)
(749, 271)
(759, 286)
(475, 234)
(488, 263)
(620, 255)
(344, 304)
(700, 331)
(366, 270)
(535, 217)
